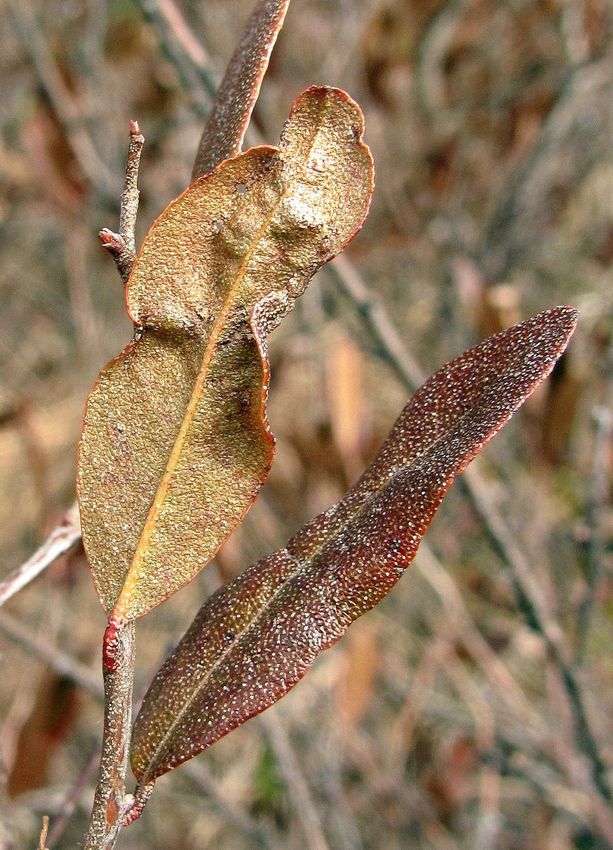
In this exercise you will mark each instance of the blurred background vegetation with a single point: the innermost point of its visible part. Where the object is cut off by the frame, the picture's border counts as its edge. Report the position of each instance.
(443, 720)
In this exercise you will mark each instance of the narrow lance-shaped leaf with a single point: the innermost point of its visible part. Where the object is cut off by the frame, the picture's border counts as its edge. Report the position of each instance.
(225, 128)
(255, 638)
(175, 442)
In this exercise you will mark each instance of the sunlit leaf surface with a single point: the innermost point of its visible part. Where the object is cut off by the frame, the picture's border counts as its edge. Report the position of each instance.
(175, 443)
(256, 637)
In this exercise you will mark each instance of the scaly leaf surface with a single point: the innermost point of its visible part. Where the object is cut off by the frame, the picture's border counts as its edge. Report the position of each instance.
(255, 638)
(175, 442)
(225, 128)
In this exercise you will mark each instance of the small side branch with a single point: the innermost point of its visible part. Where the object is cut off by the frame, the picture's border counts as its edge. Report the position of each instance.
(61, 540)
(110, 801)
(122, 245)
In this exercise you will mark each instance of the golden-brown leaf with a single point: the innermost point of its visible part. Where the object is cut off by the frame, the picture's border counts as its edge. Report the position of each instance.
(175, 442)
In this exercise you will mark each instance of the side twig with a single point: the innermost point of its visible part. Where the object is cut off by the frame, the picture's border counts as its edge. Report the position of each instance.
(61, 540)
(122, 245)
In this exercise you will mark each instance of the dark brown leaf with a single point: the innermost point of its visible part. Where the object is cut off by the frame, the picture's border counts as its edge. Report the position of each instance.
(256, 637)
(223, 133)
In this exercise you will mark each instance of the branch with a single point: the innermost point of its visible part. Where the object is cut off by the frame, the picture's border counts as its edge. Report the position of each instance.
(110, 800)
(122, 245)
(61, 540)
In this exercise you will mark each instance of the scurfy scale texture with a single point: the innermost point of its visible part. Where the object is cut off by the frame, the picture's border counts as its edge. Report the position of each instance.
(175, 441)
(255, 638)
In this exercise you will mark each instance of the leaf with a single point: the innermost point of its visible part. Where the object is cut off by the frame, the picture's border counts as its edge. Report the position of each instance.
(225, 128)
(175, 442)
(255, 638)
(51, 717)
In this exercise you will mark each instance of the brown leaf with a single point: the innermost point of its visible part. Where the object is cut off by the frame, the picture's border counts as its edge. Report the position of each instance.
(52, 716)
(345, 403)
(358, 674)
(225, 128)
(255, 638)
(175, 442)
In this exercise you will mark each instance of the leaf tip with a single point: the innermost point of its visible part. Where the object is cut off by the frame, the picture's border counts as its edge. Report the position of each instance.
(572, 315)
(561, 321)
